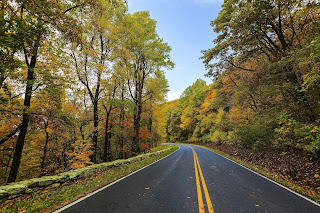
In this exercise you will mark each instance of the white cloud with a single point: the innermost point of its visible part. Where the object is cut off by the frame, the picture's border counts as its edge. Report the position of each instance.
(173, 95)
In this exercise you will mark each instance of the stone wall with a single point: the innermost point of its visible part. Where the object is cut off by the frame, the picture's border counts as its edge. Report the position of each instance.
(29, 186)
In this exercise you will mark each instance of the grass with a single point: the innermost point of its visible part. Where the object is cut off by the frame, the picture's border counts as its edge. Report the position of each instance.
(286, 182)
(50, 199)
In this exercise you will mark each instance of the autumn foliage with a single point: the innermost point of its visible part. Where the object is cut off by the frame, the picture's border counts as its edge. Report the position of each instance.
(263, 104)
(71, 86)
(261, 97)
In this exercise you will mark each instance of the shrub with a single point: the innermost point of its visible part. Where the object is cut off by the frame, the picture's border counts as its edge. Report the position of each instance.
(218, 137)
(292, 134)
(144, 147)
(255, 135)
(232, 137)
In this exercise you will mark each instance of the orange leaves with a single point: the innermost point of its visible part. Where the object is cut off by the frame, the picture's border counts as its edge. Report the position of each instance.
(79, 154)
(144, 134)
(206, 106)
(144, 147)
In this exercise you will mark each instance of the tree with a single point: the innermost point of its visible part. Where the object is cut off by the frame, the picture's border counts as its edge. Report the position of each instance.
(30, 26)
(148, 53)
(112, 103)
(264, 32)
(8, 48)
(190, 102)
(92, 53)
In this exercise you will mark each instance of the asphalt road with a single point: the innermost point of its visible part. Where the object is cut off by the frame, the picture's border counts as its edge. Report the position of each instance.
(178, 184)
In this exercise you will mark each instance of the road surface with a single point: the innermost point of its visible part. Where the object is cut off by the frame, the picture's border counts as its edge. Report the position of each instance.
(194, 179)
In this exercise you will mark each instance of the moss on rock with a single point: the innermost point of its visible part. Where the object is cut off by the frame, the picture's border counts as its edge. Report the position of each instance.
(14, 189)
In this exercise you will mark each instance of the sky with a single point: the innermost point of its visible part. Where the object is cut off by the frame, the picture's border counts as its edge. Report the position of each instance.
(185, 26)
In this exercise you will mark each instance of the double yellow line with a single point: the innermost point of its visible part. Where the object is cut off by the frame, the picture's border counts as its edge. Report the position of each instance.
(198, 173)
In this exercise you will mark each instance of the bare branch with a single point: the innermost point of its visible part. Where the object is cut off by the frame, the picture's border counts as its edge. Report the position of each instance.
(74, 7)
(8, 136)
(242, 68)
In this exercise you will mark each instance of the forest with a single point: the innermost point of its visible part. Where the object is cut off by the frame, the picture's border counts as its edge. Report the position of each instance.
(78, 83)
(84, 83)
(265, 95)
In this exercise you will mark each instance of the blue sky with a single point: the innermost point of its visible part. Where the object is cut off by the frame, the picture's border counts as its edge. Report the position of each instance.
(185, 26)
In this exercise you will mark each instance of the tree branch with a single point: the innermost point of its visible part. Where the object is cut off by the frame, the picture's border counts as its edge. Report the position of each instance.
(242, 68)
(74, 7)
(8, 136)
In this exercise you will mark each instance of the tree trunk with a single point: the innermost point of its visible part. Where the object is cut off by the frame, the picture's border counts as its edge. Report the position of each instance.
(107, 142)
(25, 122)
(150, 130)
(136, 141)
(121, 140)
(95, 133)
(134, 148)
(43, 158)
(137, 117)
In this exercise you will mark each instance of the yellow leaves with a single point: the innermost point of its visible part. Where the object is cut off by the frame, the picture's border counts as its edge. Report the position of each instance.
(219, 116)
(187, 118)
(99, 67)
(316, 176)
(226, 80)
(66, 135)
(50, 131)
(235, 115)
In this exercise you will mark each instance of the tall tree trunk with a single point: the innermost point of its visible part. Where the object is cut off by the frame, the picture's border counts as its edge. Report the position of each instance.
(150, 130)
(95, 133)
(134, 148)
(43, 158)
(107, 154)
(137, 118)
(120, 136)
(136, 127)
(25, 120)
(121, 119)
(107, 142)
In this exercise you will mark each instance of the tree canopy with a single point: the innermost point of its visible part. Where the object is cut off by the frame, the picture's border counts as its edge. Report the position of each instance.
(78, 84)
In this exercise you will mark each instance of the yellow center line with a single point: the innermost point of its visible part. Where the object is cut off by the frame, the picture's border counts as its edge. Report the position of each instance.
(205, 189)
(200, 200)
(206, 193)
